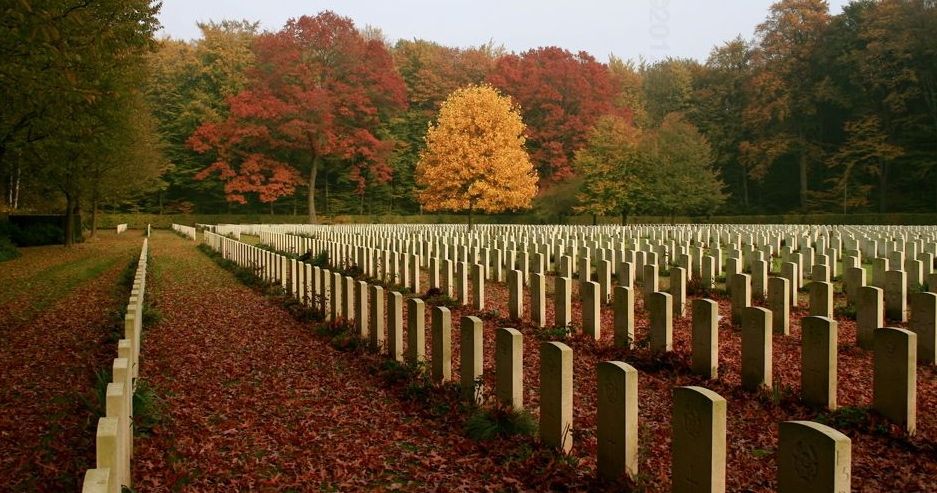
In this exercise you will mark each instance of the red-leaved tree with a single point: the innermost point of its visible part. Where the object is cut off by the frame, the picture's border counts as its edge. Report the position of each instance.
(561, 96)
(314, 99)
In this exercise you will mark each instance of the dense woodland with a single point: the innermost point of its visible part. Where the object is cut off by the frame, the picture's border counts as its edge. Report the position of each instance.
(818, 112)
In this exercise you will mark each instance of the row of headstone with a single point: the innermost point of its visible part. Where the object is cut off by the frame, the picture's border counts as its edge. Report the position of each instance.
(185, 231)
(114, 438)
(699, 415)
(595, 294)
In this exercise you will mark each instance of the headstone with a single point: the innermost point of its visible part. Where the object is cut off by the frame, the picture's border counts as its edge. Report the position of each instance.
(538, 299)
(879, 268)
(678, 277)
(515, 295)
(821, 299)
(604, 275)
(416, 331)
(660, 306)
(377, 318)
(471, 358)
(395, 326)
(789, 272)
(869, 314)
(362, 319)
(617, 420)
(818, 361)
(924, 324)
(757, 349)
(442, 344)
(650, 279)
(591, 309)
(896, 296)
(562, 302)
(779, 302)
(741, 296)
(894, 381)
(698, 445)
(624, 317)
(813, 458)
(760, 279)
(556, 395)
(478, 286)
(705, 360)
(509, 367)
(853, 279)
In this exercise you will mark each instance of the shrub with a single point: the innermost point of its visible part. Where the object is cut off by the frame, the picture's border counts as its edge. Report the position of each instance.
(8, 250)
(556, 333)
(499, 421)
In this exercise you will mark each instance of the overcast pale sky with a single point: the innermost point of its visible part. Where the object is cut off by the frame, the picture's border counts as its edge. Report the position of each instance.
(653, 29)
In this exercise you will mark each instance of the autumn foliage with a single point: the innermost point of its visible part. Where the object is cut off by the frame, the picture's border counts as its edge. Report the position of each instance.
(315, 99)
(474, 157)
(562, 95)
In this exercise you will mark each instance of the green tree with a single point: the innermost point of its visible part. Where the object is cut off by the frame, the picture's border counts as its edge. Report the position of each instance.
(62, 65)
(679, 167)
(720, 98)
(782, 114)
(611, 168)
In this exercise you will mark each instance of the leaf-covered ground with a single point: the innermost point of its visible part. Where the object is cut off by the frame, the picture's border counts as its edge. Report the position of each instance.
(57, 310)
(256, 401)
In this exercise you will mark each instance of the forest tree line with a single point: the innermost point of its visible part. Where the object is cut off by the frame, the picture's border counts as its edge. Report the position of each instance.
(816, 113)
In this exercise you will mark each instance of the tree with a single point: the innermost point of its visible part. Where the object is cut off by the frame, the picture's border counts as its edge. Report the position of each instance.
(431, 72)
(611, 169)
(861, 156)
(190, 84)
(474, 157)
(783, 111)
(315, 100)
(719, 100)
(561, 96)
(680, 177)
(61, 66)
(628, 79)
(668, 87)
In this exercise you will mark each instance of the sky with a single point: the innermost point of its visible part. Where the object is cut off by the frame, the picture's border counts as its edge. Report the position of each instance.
(652, 29)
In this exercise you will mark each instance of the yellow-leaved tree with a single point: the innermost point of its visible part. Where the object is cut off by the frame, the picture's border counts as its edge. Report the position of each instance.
(474, 159)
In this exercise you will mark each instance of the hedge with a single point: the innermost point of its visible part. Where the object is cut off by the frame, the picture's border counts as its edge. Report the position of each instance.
(139, 221)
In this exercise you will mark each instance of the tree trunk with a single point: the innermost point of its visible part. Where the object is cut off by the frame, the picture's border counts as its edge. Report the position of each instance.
(271, 208)
(595, 220)
(745, 188)
(803, 180)
(313, 173)
(160, 197)
(883, 186)
(94, 217)
(470, 225)
(624, 217)
(69, 220)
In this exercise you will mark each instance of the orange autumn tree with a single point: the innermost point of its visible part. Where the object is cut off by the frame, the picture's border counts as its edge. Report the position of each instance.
(474, 157)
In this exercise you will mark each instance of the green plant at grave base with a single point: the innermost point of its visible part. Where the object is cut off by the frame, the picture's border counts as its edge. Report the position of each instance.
(151, 314)
(148, 408)
(320, 259)
(845, 311)
(696, 287)
(845, 417)
(435, 297)
(394, 372)
(499, 421)
(555, 333)
(761, 452)
(97, 401)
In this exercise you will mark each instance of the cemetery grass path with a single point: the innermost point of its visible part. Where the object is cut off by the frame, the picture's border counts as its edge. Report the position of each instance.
(254, 400)
(58, 310)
